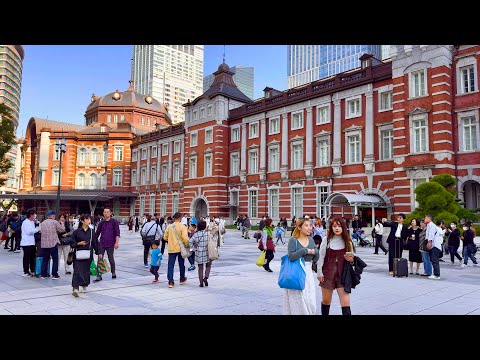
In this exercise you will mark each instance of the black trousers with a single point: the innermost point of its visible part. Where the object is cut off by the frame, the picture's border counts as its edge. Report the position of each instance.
(379, 244)
(29, 254)
(191, 258)
(154, 271)
(162, 249)
(146, 249)
(269, 257)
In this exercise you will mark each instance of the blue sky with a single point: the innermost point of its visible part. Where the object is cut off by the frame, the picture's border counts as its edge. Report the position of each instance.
(58, 80)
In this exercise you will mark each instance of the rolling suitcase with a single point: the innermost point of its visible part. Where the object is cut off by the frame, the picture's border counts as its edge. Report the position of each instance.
(400, 265)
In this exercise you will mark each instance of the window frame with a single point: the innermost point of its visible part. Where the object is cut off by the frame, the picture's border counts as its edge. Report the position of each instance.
(319, 141)
(271, 121)
(413, 142)
(209, 130)
(254, 125)
(176, 144)
(196, 138)
(251, 213)
(235, 129)
(301, 115)
(235, 170)
(349, 135)
(293, 205)
(270, 162)
(205, 172)
(412, 87)
(380, 102)
(349, 115)
(318, 109)
(164, 149)
(118, 155)
(192, 160)
(294, 165)
(115, 182)
(250, 162)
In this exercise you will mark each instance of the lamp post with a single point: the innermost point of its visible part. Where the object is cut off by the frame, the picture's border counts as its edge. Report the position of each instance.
(60, 146)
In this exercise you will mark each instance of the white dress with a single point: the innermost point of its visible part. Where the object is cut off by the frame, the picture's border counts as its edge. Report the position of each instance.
(301, 302)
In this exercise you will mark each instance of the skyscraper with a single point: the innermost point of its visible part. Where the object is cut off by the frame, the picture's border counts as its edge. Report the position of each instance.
(307, 63)
(385, 52)
(11, 57)
(171, 74)
(243, 78)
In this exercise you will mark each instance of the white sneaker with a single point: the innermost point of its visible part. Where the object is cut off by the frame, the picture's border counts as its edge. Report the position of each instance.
(75, 293)
(476, 264)
(434, 277)
(463, 265)
(83, 289)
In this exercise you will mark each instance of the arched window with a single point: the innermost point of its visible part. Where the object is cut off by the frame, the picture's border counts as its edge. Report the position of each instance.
(94, 156)
(81, 181)
(93, 181)
(82, 156)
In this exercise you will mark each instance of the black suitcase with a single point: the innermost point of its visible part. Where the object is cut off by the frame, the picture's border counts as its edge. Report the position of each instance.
(400, 267)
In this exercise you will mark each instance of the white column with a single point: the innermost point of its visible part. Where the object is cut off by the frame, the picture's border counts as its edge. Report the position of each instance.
(182, 158)
(170, 162)
(263, 144)
(369, 134)
(337, 139)
(373, 216)
(285, 130)
(139, 158)
(149, 149)
(243, 154)
(309, 139)
(159, 162)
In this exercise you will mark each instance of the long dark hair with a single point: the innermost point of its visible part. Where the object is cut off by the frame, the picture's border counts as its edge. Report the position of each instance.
(345, 234)
(85, 216)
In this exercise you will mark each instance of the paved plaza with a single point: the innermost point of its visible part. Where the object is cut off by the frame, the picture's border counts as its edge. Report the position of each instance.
(236, 287)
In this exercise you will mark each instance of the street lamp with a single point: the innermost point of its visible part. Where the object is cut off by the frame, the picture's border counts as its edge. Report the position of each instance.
(60, 146)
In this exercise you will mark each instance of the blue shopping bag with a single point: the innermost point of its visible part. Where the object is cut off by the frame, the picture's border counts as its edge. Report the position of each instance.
(292, 274)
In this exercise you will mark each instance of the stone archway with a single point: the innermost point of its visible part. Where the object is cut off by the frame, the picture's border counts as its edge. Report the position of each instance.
(199, 207)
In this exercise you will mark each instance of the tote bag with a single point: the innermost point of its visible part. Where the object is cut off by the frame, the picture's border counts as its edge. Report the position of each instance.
(84, 254)
(292, 273)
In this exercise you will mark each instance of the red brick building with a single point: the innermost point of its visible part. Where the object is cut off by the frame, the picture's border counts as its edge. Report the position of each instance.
(358, 142)
(96, 165)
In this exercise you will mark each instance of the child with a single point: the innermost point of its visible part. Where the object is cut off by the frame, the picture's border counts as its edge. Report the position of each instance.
(156, 256)
(191, 259)
(279, 231)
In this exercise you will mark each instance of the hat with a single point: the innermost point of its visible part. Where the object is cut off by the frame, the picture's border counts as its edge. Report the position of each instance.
(50, 213)
(468, 223)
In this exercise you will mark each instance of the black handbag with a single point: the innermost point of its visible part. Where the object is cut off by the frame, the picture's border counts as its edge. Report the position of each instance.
(66, 240)
(147, 240)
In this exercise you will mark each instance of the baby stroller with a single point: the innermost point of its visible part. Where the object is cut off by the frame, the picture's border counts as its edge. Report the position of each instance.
(361, 238)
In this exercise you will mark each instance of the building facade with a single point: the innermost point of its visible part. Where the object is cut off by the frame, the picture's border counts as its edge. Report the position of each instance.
(95, 169)
(173, 74)
(358, 142)
(243, 76)
(385, 52)
(307, 63)
(11, 65)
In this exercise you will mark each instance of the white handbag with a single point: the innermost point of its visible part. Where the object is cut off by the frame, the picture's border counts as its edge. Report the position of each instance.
(84, 254)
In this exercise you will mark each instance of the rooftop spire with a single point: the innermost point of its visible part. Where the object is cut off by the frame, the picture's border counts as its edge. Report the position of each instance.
(224, 54)
(131, 88)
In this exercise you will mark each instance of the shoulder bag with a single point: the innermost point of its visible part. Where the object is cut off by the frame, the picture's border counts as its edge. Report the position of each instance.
(292, 273)
(85, 254)
(184, 251)
(149, 239)
(212, 248)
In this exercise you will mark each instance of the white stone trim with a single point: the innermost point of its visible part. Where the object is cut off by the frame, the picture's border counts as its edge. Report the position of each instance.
(442, 102)
(441, 92)
(442, 122)
(440, 83)
(442, 132)
(441, 74)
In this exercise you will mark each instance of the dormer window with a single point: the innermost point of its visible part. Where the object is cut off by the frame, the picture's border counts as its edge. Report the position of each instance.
(365, 63)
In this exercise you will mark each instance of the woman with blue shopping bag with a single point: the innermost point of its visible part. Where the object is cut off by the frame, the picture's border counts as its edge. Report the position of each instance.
(296, 271)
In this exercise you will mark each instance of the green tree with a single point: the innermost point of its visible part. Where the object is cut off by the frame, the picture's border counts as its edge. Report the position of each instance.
(438, 198)
(7, 140)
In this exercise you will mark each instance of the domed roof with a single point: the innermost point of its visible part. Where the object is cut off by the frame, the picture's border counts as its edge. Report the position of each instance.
(127, 98)
(223, 66)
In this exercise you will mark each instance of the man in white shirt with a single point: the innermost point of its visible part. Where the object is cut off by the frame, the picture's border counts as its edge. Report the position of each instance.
(185, 220)
(28, 242)
(434, 246)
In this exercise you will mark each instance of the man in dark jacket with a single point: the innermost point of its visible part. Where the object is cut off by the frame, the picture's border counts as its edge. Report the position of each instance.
(398, 233)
